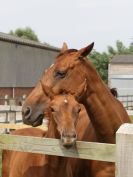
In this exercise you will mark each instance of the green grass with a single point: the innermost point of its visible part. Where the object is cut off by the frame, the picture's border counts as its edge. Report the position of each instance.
(131, 117)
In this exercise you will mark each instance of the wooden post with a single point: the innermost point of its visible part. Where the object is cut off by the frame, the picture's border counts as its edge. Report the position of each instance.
(6, 99)
(12, 118)
(23, 98)
(124, 151)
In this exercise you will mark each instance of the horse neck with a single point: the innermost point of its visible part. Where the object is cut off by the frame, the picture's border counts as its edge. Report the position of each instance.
(105, 112)
(52, 130)
(55, 162)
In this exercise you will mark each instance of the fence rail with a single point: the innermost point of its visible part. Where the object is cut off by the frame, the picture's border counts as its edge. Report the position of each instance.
(12, 101)
(10, 114)
(127, 101)
(19, 126)
(121, 153)
(83, 150)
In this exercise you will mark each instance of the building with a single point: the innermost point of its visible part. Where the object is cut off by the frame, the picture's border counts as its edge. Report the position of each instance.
(120, 76)
(22, 63)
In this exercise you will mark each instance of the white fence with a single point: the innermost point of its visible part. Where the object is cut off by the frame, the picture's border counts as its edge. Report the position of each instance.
(10, 114)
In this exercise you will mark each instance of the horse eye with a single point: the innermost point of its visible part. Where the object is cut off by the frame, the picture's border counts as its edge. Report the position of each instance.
(52, 109)
(60, 74)
(78, 110)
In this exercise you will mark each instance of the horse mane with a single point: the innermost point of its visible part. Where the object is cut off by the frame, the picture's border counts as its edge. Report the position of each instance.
(66, 52)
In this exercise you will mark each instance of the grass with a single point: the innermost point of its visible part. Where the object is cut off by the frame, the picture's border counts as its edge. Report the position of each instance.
(131, 117)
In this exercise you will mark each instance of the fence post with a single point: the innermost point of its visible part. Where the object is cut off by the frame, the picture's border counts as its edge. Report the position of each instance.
(12, 117)
(124, 151)
(6, 100)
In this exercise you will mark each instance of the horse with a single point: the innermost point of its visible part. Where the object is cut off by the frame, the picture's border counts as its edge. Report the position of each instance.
(70, 69)
(94, 168)
(68, 72)
(64, 123)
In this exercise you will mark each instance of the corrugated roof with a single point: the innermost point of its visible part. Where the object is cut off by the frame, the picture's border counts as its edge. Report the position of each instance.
(122, 59)
(21, 65)
(18, 40)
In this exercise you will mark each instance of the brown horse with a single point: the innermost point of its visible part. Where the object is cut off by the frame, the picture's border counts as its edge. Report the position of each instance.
(106, 113)
(64, 123)
(71, 68)
(95, 168)
(68, 73)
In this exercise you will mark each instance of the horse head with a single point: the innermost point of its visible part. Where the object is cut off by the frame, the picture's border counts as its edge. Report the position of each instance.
(65, 74)
(35, 105)
(68, 71)
(63, 116)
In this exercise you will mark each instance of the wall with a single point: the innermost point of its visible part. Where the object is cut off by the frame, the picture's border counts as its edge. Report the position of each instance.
(18, 94)
(120, 76)
(22, 66)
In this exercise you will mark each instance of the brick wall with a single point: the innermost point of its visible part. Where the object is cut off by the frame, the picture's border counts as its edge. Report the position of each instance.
(18, 94)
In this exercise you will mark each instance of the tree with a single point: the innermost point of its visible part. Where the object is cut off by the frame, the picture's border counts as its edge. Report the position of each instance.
(120, 49)
(101, 60)
(26, 33)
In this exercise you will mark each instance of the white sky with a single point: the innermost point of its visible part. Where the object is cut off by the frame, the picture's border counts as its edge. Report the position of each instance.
(78, 22)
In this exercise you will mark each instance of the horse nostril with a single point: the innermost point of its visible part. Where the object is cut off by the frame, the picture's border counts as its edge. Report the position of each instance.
(69, 135)
(27, 112)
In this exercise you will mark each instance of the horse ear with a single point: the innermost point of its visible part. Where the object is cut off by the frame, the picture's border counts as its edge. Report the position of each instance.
(85, 51)
(47, 90)
(81, 90)
(64, 47)
(114, 92)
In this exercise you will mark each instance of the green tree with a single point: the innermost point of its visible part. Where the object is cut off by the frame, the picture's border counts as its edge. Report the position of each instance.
(26, 33)
(131, 47)
(120, 49)
(101, 60)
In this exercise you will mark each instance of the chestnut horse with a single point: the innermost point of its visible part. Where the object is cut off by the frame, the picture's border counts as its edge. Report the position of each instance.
(69, 71)
(64, 123)
(84, 128)
(106, 113)
(71, 68)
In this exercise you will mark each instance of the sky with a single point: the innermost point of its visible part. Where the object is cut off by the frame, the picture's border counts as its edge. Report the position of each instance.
(76, 22)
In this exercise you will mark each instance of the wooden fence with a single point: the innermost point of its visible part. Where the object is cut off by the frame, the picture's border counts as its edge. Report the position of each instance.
(6, 100)
(19, 126)
(127, 101)
(8, 113)
(121, 153)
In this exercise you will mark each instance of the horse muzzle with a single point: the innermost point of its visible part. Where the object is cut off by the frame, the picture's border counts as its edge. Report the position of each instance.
(29, 118)
(69, 140)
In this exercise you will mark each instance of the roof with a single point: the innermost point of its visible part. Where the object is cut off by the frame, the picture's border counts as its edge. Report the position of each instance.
(27, 42)
(122, 59)
(21, 65)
